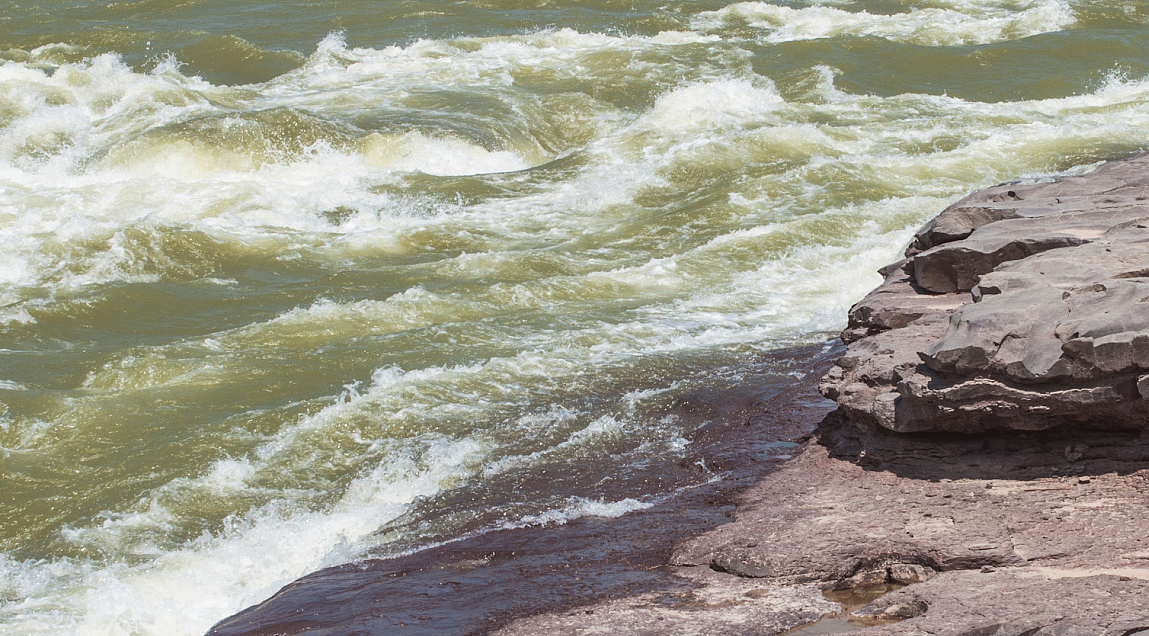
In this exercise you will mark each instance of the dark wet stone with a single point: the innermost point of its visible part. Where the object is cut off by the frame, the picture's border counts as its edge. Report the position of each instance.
(477, 584)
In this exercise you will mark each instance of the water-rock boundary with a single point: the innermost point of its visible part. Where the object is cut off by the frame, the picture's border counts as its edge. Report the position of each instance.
(990, 450)
(1020, 307)
(479, 583)
(989, 454)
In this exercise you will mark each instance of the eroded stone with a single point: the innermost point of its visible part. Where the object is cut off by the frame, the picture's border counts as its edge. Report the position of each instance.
(1028, 309)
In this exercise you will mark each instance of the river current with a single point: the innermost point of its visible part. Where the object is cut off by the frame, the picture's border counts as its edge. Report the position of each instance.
(283, 284)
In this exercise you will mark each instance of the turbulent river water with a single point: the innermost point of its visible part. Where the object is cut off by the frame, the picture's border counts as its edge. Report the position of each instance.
(283, 283)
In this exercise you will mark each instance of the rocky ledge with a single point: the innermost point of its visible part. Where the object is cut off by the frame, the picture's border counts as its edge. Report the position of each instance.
(988, 460)
(997, 535)
(985, 471)
(1018, 307)
(1002, 534)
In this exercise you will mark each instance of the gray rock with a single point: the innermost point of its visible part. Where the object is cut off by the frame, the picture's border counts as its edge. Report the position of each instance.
(957, 266)
(1115, 183)
(895, 304)
(1027, 308)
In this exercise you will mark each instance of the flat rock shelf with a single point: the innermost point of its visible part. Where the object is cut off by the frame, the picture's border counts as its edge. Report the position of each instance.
(989, 458)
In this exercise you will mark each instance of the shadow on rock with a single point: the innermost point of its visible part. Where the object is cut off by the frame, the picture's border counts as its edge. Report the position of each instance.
(1040, 514)
(1010, 455)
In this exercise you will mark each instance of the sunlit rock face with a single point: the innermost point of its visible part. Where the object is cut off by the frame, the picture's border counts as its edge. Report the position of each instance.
(1018, 307)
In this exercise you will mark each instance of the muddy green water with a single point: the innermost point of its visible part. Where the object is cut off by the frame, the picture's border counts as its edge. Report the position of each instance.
(285, 282)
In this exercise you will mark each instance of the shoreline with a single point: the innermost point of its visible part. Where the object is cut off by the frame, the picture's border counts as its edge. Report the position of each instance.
(476, 585)
(986, 467)
(988, 461)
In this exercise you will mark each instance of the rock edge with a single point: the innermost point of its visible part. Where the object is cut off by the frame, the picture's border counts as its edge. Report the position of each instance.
(989, 450)
(1020, 307)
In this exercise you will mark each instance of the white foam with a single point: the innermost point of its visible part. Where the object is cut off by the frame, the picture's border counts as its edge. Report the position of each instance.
(185, 589)
(599, 432)
(24, 433)
(716, 104)
(413, 152)
(632, 398)
(775, 276)
(70, 204)
(412, 308)
(277, 201)
(581, 507)
(952, 24)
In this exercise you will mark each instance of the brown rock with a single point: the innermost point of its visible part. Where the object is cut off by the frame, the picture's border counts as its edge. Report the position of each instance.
(1017, 602)
(1054, 329)
(988, 534)
(714, 603)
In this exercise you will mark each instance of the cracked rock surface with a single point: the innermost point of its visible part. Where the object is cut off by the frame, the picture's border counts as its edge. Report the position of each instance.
(1019, 307)
(999, 534)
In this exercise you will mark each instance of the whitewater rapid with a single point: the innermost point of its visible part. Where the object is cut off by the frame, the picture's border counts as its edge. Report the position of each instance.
(399, 272)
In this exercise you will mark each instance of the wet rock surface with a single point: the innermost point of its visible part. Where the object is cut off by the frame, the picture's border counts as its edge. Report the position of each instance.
(1019, 307)
(1005, 534)
(479, 583)
(990, 452)
(989, 458)
(709, 603)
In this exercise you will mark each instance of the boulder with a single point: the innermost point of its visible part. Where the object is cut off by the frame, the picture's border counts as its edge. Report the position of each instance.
(1019, 307)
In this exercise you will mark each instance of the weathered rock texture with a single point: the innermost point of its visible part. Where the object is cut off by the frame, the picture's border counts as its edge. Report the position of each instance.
(712, 603)
(1003, 534)
(1022, 602)
(865, 506)
(990, 451)
(1018, 307)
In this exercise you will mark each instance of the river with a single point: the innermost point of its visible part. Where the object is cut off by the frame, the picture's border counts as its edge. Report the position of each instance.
(285, 283)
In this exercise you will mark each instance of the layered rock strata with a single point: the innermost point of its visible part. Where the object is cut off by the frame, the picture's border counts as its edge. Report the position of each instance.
(1020, 306)
(989, 454)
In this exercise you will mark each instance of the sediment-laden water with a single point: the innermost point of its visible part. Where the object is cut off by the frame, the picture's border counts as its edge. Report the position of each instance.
(284, 283)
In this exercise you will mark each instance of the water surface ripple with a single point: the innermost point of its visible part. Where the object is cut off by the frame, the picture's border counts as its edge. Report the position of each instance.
(286, 283)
